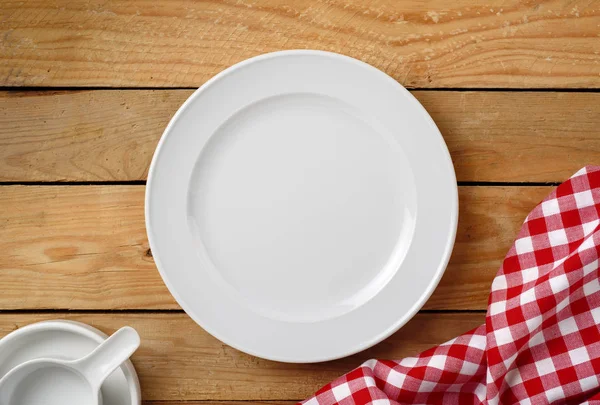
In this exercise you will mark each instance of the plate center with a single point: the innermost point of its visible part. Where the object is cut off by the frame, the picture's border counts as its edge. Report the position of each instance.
(302, 207)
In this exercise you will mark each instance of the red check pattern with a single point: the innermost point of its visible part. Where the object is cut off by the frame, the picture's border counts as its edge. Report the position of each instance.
(540, 343)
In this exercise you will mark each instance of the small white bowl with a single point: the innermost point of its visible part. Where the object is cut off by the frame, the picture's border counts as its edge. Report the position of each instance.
(68, 340)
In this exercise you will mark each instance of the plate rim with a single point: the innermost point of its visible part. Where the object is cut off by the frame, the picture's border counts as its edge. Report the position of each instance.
(431, 286)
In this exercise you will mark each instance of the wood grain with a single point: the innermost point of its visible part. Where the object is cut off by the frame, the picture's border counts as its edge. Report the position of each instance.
(85, 247)
(110, 135)
(78, 247)
(116, 43)
(179, 361)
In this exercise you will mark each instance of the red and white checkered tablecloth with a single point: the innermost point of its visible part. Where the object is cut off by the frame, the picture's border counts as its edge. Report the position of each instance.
(541, 339)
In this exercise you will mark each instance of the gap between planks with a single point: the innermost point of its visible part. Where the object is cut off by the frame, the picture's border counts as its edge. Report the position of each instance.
(143, 183)
(178, 311)
(26, 89)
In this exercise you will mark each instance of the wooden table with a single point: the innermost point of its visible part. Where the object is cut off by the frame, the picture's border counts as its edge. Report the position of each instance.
(88, 87)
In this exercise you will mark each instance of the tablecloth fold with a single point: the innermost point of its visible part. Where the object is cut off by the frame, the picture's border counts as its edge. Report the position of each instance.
(541, 339)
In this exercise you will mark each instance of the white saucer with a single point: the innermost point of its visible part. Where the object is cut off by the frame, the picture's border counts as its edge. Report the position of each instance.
(68, 340)
(301, 206)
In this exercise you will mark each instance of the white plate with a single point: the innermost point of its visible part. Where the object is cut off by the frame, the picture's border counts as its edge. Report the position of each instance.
(301, 206)
(68, 340)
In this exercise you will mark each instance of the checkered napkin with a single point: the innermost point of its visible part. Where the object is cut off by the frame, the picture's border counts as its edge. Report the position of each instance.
(541, 339)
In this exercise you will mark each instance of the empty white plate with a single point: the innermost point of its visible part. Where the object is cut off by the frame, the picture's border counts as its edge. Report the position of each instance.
(301, 206)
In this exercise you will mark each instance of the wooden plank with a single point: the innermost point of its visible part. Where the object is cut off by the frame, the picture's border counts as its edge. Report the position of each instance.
(77, 247)
(436, 43)
(179, 361)
(85, 247)
(489, 220)
(111, 135)
(82, 135)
